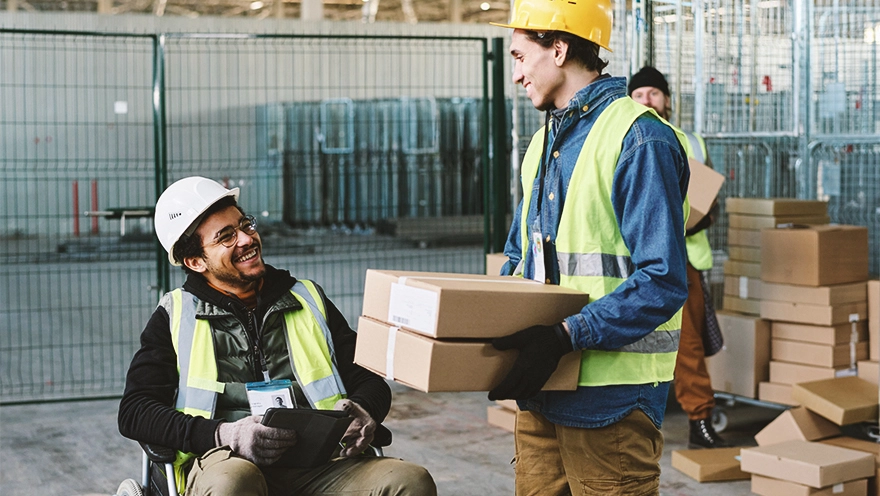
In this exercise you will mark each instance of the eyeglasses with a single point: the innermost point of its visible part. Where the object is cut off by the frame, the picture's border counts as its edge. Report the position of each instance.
(229, 235)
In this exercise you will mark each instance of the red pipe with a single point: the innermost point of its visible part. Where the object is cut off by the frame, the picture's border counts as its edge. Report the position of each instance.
(94, 205)
(76, 208)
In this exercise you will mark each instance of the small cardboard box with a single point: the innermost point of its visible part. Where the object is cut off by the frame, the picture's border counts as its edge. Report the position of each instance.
(793, 373)
(861, 445)
(821, 295)
(776, 207)
(509, 404)
(734, 304)
(796, 424)
(703, 188)
(813, 314)
(813, 464)
(743, 287)
(494, 262)
(744, 253)
(739, 221)
(719, 464)
(765, 486)
(744, 237)
(869, 371)
(432, 365)
(744, 360)
(815, 255)
(737, 268)
(501, 417)
(820, 355)
(836, 334)
(776, 393)
(444, 305)
(874, 318)
(842, 400)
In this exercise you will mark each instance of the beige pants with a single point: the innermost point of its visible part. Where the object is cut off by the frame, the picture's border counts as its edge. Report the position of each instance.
(554, 460)
(220, 472)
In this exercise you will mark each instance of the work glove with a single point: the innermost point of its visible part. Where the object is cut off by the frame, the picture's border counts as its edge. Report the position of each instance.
(254, 441)
(360, 432)
(540, 348)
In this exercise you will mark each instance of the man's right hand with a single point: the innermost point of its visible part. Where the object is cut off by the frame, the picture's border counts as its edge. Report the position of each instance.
(254, 441)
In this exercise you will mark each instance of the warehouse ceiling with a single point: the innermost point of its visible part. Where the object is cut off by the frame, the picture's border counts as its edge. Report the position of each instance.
(412, 11)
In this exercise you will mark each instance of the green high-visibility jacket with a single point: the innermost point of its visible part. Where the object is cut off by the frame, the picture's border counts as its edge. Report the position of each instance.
(698, 249)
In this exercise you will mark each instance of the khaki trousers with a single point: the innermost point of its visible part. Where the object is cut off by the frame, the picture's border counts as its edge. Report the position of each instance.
(554, 460)
(693, 386)
(220, 472)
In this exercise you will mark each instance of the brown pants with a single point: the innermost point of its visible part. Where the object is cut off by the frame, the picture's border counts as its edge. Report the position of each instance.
(693, 387)
(554, 460)
(220, 472)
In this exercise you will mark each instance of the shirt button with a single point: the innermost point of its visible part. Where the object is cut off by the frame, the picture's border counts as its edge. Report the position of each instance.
(586, 107)
(547, 281)
(548, 238)
(556, 154)
(551, 196)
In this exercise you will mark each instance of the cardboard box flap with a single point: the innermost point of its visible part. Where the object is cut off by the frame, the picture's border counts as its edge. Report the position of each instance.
(796, 424)
(813, 464)
(720, 464)
(842, 400)
(776, 206)
(703, 188)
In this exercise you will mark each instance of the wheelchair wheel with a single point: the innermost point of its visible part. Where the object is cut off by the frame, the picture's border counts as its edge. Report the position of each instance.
(130, 487)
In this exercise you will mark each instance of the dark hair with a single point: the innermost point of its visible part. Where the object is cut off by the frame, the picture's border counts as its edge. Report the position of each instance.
(582, 51)
(190, 245)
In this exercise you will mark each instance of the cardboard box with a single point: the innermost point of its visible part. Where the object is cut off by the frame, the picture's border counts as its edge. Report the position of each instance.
(744, 253)
(843, 400)
(758, 222)
(719, 464)
(793, 373)
(815, 255)
(836, 334)
(744, 237)
(796, 424)
(869, 371)
(509, 404)
(776, 206)
(734, 304)
(743, 287)
(765, 486)
(744, 360)
(813, 314)
(501, 417)
(776, 393)
(432, 365)
(820, 355)
(874, 318)
(444, 305)
(822, 295)
(703, 188)
(494, 262)
(813, 464)
(737, 268)
(865, 446)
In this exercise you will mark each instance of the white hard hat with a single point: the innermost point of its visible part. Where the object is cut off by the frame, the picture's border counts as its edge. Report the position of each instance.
(181, 205)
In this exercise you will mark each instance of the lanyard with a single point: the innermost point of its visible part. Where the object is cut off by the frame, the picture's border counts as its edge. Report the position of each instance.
(542, 167)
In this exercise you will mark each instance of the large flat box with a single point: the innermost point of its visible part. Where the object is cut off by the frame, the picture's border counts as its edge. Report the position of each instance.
(744, 360)
(744, 237)
(444, 305)
(432, 365)
(737, 268)
(501, 417)
(865, 446)
(743, 287)
(843, 400)
(874, 317)
(744, 253)
(813, 464)
(494, 262)
(813, 314)
(869, 371)
(793, 373)
(796, 424)
(749, 306)
(739, 221)
(703, 188)
(720, 464)
(836, 334)
(821, 295)
(776, 206)
(766, 486)
(776, 393)
(820, 355)
(815, 255)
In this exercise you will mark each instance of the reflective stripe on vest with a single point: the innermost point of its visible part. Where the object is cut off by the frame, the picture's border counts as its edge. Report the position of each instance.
(595, 259)
(698, 249)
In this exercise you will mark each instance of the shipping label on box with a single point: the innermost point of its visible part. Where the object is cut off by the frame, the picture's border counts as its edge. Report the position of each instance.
(776, 206)
(836, 334)
(758, 222)
(743, 361)
(813, 314)
(703, 188)
(820, 355)
(719, 464)
(776, 393)
(743, 287)
(793, 373)
(815, 255)
(844, 400)
(813, 464)
(796, 424)
(766, 486)
(820, 295)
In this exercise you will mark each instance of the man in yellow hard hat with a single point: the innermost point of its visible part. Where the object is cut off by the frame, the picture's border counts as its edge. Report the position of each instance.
(604, 205)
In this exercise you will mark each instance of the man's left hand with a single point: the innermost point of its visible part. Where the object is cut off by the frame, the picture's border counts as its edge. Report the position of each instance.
(359, 434)
(540, 349)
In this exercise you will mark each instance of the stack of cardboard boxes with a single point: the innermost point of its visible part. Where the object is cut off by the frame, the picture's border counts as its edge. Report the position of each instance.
(868, 369)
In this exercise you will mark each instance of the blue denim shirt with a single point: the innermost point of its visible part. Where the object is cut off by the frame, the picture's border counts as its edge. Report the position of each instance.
(647, 192)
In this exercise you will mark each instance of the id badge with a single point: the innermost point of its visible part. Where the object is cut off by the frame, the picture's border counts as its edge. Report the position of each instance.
(538, 273)
(270, 394)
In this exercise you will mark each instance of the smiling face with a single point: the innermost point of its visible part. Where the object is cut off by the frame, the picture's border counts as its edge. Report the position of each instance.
(538, 70)
(236, 268)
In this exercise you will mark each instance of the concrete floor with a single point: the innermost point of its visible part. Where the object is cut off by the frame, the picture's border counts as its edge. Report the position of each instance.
(74, 448)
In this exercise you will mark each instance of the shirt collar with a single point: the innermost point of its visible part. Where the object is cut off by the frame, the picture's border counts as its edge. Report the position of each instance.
(595, 94)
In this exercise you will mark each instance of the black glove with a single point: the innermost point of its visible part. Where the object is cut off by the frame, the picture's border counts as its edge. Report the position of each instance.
(540, 348)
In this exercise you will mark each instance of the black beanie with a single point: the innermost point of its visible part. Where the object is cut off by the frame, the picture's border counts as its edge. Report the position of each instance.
(648, 76)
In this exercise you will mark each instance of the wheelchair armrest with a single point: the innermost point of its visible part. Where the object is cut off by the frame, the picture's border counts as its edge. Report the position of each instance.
(382, 437)
(158, 454)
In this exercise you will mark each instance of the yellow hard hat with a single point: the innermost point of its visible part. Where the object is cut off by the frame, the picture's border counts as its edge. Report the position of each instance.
(588, 19)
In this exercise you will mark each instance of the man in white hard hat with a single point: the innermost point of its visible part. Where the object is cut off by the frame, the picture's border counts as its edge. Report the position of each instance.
(700, 334)
(238, 325)
(603, 211)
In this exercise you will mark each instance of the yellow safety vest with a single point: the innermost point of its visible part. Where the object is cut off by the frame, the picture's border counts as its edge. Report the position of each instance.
(591, 252)
(698, 249)
(308, 338)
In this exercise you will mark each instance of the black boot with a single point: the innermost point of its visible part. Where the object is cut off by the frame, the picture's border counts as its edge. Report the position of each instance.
(703, 435)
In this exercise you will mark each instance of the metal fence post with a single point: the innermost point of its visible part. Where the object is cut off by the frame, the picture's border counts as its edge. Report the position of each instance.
(500, 131)
(163, 276)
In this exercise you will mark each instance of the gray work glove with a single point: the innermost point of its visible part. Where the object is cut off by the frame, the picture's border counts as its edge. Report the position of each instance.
(254, 441)
(359, 434)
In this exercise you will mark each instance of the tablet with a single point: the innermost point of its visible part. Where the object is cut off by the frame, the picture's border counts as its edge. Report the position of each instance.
(318, 433)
